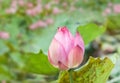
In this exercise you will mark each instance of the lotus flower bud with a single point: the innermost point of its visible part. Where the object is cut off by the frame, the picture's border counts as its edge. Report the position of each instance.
(4, 35)
(106, 12)
(21, 2)
(38, 24)
(66, 51)
(30, 5)
(56, 10)
(116, 8)
(49, 21)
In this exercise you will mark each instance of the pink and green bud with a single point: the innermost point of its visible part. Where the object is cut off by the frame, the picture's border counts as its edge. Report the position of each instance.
(66, 51)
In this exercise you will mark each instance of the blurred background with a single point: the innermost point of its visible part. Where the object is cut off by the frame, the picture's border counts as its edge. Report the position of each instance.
(26, 26)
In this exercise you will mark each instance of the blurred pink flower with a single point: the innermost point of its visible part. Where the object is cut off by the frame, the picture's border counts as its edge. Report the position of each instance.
(11, 10)
(38, 24)
(49, 21)
(29, 5)
(33, 26)
(56, 1)
(30, 12)
(34, 11)
(4, 35)
(56, 10)
(64, 4)
(48, 6)
(116, 8)
(38, 9)
(65, 51)
(106, 11)
(21, 2)
(14, 4)
(110, 4)
(41, 23)
(38, 1)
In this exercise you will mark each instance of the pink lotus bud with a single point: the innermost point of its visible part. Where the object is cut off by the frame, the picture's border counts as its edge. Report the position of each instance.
(31, 12)
(14, 4)
(56, 1)
(65, 4)
(38, 9)
(41, 24)
(116, 8)
(56, 10)
(33, 26)
(110, 4)
(34, 11)
(38, 24)
(38, 1)
(49, 21)
(11, 10)
(4, 35)
(29, 5)
(106, 11)
(21, 2)
(48, 6)
(66, 51)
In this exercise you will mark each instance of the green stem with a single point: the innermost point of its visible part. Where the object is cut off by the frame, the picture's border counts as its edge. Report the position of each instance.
(70, 75)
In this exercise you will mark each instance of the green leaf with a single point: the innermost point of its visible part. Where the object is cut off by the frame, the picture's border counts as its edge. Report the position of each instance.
(113, 22)
(95, 71)
(18, 58)
(90, 31)
(5, 73)
(3, 48)
(39, 64)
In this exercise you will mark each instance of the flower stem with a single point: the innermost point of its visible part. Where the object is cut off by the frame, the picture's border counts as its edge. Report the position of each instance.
(70, 75)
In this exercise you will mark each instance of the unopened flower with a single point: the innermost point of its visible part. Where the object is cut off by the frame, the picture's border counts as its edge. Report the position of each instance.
(49, 21)
(56, 10)
(116, 8)
(13, 8)
(38, 9)
(4, 35)
(48, 6)
(30, 12)
(21, 2)
(56, 1)
(38, 1)
(38, 24)
(110, 4)
(41, 23)
(14, 4)
(30, 5)
(33, 26)
(34, 11)
(66, 51)
(65, 4)
(106, 11)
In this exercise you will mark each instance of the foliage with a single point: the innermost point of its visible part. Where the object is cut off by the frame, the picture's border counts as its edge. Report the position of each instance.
(94, 71)
(20, 55)
(90, 32)
(38, 63)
